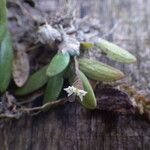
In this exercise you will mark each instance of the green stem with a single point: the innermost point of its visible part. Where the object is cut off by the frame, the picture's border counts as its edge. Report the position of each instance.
(3, 13)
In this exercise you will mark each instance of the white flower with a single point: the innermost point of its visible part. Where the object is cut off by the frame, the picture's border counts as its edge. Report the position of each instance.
(69, 90)
(73, 90)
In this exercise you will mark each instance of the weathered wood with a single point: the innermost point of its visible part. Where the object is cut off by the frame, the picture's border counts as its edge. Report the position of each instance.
(73, 127)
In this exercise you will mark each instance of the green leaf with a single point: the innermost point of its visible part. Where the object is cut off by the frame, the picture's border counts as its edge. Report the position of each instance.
(3, 29)
(6, 57)
(3, 12)
(89, 100)
(6, 52)
(99, 71)
(53, 88)
(34, 82)
(115, 52)
(86, 45)
(58, 64)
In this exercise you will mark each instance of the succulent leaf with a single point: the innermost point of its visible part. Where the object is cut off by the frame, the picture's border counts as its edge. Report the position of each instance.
(115, 52)
(6, 57)
(86, 45)
(89, 100)
(53, 88)
(34, 82)
(99, 71)
(58, 64)
(6, 51)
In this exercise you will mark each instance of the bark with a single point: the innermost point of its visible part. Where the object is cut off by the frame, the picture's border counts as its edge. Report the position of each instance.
(73, 127)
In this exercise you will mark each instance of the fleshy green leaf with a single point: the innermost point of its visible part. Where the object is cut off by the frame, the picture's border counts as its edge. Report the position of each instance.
(86, 45)
(89, 100)
(6, 57)
(53, 88)
(99, 71)
(115, 52)
(3, 12)
(34, 82)
(58, 64)
(6, 52)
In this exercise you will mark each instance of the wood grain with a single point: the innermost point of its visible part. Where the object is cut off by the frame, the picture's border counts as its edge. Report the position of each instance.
(71, 127)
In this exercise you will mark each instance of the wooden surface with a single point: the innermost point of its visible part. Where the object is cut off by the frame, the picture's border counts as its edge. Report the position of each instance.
(71, 127)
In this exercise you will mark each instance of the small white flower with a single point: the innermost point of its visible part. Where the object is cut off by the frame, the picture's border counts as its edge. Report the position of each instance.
(69, 90)
(73, 90)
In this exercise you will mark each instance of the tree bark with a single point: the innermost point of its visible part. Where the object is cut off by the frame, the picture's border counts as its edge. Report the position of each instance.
(73, 127)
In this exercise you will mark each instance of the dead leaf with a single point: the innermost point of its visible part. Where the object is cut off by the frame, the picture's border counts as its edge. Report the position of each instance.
(21, 67)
